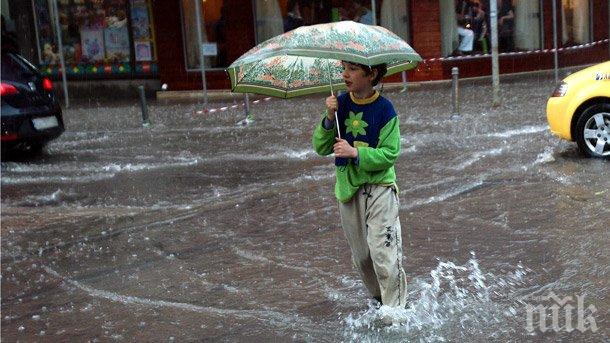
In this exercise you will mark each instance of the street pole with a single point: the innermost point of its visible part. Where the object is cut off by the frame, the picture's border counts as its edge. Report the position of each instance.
(455, 95)
(247, 105)
(60, 47)
(144, 107)
(555, 53)
(201, 56)
(404, 82)
(495, 65)
(374, 10)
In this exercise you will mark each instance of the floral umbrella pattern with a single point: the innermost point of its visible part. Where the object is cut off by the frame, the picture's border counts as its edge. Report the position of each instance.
(345, 40)
(307, 59)
(287, 76)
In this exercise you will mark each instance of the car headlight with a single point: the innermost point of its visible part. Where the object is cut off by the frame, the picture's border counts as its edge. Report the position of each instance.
(560, 90)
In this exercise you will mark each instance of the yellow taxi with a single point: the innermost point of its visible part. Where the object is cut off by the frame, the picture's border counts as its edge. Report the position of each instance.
(579, 110)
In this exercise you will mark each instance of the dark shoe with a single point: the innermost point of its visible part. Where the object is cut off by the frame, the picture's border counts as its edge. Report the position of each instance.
(378, 299)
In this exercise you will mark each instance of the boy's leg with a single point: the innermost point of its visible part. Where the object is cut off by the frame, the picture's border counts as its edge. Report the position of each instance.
(353, 222)
(385, 244)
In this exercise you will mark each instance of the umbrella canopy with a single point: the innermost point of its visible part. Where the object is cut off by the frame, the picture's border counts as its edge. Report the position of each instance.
(287, 76)
(308, 59)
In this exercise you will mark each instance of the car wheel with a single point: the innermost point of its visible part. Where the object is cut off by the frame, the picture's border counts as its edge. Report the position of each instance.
(35, 148)
(593, 131)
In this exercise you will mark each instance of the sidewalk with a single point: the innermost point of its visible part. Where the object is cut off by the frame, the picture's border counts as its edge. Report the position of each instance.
(226, 94)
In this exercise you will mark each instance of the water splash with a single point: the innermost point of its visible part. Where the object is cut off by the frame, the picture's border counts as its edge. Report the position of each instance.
(457, 301)
(545, 157)
(516, 132)
(58, 197)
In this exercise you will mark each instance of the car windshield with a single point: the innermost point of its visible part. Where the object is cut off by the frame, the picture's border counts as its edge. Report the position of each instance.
(15, 68)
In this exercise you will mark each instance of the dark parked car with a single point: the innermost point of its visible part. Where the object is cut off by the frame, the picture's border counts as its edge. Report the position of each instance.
(31, 115)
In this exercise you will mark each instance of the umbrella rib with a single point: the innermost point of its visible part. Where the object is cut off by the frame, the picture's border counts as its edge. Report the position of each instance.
(246, 72)
(292, 69)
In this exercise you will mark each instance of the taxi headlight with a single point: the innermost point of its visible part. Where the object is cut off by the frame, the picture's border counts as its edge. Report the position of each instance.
(560, 90)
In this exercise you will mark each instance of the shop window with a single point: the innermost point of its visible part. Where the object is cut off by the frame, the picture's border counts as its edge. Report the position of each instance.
(394, 16)
(527, 25)
(273, 17)
(18, 28)
(576, 22)
(47, 43)
(465, 26)
(214, 32)
(117, 34)
(268, 19)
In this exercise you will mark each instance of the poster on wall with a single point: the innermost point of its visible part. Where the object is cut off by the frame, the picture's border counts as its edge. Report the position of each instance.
(143, 51)
(139, 21)
(92, 41)
(117, 43)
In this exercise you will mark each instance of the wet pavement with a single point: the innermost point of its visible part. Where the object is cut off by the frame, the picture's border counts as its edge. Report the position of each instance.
(200, 229)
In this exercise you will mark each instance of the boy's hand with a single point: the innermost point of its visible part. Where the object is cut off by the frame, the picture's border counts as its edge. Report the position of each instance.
(331, 107)
(343, 149)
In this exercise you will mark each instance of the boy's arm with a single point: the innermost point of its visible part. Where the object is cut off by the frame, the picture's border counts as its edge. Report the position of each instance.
(323, 137)
(388, 148)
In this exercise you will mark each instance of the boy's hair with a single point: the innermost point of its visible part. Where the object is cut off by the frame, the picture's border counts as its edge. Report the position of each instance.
(368, 70)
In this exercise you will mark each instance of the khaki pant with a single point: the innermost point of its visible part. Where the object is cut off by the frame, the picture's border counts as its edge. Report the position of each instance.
(371, 225)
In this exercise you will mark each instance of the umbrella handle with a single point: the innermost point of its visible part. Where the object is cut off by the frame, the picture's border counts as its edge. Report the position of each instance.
(330, 80)
(337, 122)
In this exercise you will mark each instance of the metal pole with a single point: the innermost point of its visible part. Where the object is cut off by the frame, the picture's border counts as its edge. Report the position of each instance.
(60, 47)
(144, 106)
(374, 10)
(541, 23)
(200, 46)
(495, 65)
(247, 105)
(555, 54)
(455, 74)
(404, 81)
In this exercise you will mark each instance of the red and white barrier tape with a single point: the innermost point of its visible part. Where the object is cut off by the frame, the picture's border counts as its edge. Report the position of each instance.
(517, 53)
(225, 108)
(426, 61)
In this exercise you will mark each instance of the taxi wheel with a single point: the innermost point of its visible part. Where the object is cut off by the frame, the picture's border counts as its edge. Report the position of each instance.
(35, 148)
(593, 131)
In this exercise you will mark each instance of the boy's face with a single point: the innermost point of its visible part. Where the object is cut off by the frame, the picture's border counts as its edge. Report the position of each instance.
(355, 78)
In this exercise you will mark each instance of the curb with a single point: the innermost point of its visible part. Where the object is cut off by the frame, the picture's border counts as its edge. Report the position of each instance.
(226, 94)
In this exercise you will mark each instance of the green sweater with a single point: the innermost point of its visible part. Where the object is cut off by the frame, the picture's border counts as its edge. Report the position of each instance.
(374, 165)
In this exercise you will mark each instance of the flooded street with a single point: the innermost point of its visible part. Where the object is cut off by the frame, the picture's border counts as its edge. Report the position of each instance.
(200, 229)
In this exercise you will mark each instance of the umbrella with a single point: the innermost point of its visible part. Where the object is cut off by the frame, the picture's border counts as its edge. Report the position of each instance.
(308, 59)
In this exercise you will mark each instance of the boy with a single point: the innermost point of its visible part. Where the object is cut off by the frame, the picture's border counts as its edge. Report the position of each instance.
(366, 181)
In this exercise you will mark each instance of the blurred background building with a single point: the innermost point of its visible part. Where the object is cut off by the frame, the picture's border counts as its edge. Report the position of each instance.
(156, 40)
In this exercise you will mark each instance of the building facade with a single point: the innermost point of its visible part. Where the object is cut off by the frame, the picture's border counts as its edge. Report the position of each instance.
(134, 39)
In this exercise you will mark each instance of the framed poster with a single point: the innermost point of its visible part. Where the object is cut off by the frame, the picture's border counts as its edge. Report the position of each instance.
(116, 40)
(143, 51)
(139, 22)
(92, 41)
